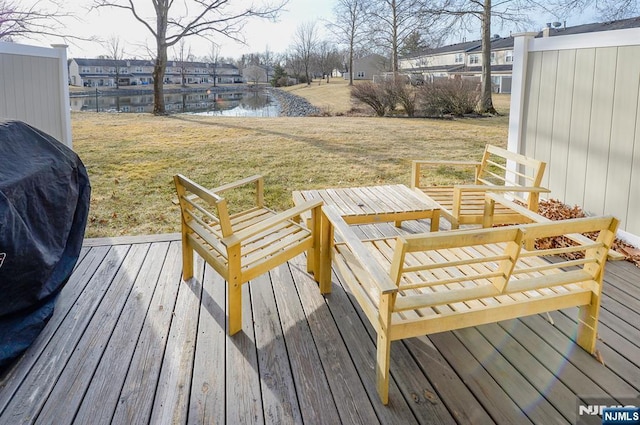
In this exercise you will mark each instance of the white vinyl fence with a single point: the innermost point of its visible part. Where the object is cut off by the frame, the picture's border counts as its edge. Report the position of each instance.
(34, 88)
(575, 104)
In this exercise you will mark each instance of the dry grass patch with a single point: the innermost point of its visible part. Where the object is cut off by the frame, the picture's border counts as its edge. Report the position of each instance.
(333, 98)
(131, 158)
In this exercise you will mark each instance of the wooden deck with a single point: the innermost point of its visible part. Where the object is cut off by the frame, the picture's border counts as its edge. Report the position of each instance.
(130, 344)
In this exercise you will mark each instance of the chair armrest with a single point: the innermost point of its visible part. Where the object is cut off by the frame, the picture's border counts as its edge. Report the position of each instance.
(236, 184)
(537, 218)
(376, 273)
(444, 162)
(492, 188)
(267, 224)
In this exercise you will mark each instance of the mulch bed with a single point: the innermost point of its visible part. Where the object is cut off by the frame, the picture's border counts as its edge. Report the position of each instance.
(556, 210)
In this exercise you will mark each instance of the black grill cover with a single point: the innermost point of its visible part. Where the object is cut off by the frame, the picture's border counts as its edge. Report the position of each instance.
(44, 204)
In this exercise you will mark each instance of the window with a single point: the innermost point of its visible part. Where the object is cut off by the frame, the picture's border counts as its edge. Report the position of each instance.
(123, 70)
(459, 58)
(138, 69)
(508, 56)
(360, 74)
(98, 70)
(493, 57)
(85, 69)
(474, 59)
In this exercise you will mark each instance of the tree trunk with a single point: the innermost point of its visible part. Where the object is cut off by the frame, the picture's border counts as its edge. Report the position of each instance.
(162, 11)
(486, 102)
(394, 38)
(350, 70)
(158, 80)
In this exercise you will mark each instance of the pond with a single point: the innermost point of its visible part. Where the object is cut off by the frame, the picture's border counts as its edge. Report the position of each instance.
(237, 103)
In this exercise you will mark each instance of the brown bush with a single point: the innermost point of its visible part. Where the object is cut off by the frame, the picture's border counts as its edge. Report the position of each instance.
(451, 96)
(385, 96)
(373, 95)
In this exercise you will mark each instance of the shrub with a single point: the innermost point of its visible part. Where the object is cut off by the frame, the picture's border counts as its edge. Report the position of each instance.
(405, 95)
(282, 82)
(371, 94)
(455, 96)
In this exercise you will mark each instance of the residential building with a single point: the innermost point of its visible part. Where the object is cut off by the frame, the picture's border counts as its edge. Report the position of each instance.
(465, 59)
(128, 72)
(365, 68)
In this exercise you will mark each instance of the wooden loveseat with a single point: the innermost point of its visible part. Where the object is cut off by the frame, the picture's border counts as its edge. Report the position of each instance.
(464, 203)
(433, 282)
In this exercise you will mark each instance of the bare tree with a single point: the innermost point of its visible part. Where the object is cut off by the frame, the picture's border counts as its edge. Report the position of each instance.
(328, 58)
(305, 43)
(607, 9)
(115, 51)
(513, 11)
(169, 24)
(214, 59)
(183, 56)
(21, 19)
(294, 64)
(391, 22)
(267, 61)
(254, 74)
(350, 27)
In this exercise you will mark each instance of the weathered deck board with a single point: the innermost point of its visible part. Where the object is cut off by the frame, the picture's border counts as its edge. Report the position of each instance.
(207, 402)
(69, 391)
(346, 387)
(138, 390)
(130, 343)
(101, 399)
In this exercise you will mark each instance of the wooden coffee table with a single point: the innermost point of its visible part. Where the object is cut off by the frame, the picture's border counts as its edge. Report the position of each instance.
(373, 204)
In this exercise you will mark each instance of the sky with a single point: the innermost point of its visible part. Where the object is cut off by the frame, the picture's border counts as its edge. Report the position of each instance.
(260, 34)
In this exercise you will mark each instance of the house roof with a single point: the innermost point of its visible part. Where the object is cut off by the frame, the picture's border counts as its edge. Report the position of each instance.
(498, 43)
(141, 62)
(111, 62)
(595, 27)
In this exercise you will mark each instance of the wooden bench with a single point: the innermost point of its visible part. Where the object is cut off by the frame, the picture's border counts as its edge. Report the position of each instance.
(244, 245)
(434, 282)
(464, 204)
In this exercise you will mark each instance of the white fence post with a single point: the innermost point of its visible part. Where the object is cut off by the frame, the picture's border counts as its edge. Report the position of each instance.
(519, 79)
(64, 93)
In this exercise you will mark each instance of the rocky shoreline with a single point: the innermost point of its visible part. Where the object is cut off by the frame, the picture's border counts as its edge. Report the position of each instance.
(292, 105)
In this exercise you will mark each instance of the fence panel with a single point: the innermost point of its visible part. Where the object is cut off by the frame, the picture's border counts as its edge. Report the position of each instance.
(34, 88)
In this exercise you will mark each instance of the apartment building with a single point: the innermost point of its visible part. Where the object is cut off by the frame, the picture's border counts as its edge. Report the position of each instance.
(103, 72)
(465, 59)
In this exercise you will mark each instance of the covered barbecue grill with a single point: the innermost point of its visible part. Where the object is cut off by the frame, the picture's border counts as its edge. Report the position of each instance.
(44, 204)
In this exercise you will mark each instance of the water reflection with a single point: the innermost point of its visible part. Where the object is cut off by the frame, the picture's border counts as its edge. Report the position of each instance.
(224, 103)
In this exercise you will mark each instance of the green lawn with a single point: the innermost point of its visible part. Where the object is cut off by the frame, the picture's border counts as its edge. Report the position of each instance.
(131, 158)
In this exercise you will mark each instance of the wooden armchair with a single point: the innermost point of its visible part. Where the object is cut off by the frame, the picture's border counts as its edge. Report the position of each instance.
(464, 204)
(243, 245)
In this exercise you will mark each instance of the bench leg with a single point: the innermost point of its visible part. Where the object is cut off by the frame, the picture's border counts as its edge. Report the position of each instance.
(187, 259)
(383, 347)
(313, 255)
(382, 367)
(235, 308)
(435, 221)
(324, 259)
(588, 325)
